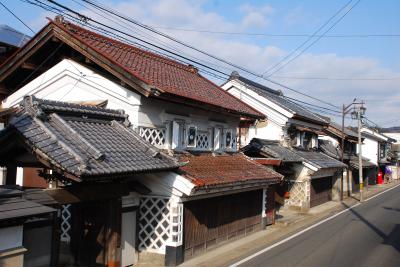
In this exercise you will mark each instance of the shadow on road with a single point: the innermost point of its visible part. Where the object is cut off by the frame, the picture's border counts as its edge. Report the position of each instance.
(392, 239)
(392, 209)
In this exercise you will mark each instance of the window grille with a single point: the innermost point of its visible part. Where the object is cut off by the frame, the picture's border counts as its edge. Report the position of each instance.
(154, 224)
(155, 136)
(203, 140)
(177, 224)
(66, 223)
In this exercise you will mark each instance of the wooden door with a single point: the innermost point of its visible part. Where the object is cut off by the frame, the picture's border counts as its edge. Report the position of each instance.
(320, 191)
(270, 205)
(96, 233)
(211, 222)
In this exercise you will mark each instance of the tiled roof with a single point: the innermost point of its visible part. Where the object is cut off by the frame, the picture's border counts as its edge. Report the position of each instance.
(13, 206)
(157, 71)
(213, 170)
(278, 98)
(84, 141)
(333, 151)
(347, 131)
(319, 159)
(365, 162)
(274, 149)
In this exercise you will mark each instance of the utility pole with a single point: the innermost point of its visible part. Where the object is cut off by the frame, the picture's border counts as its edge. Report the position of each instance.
(358, 113)
(345, 111)
(360, 170)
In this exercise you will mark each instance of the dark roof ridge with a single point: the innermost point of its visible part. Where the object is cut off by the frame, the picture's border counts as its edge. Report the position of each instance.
(52, 106)
(279, 95)
(256, 84)
(63, 126)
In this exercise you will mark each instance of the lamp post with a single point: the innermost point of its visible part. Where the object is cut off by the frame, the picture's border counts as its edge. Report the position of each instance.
(345, 111)
(358, 113)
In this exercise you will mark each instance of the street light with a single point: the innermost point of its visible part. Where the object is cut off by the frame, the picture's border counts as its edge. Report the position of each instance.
(358, 113)
(345, 111)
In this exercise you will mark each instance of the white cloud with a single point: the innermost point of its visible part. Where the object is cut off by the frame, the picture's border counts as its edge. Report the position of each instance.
(382, 96)
(255, 16)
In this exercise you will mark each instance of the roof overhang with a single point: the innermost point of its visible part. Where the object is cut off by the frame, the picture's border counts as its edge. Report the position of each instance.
(53, 33)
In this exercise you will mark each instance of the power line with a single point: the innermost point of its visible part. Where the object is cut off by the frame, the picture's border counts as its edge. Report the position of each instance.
(308, 39)
(337, 79)
(278, 35)
(128, 27)
(313, 105)
(20, 20)
(115, 36)
(86, 19)
(201, 51)
(315, 41)
(130, 35)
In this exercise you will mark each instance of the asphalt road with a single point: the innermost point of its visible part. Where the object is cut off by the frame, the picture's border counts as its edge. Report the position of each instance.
(367, 235)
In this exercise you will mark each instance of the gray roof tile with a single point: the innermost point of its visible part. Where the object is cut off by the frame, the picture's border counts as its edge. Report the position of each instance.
(88, 142)
(278, 98)
(275, 150)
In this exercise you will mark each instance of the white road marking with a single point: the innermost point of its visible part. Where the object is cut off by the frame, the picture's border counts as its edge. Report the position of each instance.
(305, 230)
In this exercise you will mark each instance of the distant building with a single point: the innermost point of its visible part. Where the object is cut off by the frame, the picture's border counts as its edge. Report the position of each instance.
(290, 134)
(10, 41)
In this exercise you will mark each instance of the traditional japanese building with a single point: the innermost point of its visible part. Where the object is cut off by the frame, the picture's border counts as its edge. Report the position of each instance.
(330, 143)
(377, 148)
(172, 107)
(290, 134)
(93, 154)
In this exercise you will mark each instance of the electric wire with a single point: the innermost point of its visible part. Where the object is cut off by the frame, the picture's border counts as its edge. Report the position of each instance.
(203, 52)
(314, 42)
(20, 20)
(220, 77)
(277, 35)
(308, 39)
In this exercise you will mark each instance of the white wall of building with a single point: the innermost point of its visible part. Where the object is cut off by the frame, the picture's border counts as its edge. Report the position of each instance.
(71, 82)
(277, 117)
(370, 150)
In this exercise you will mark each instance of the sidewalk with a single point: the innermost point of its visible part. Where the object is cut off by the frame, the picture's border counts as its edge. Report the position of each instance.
(290, 223)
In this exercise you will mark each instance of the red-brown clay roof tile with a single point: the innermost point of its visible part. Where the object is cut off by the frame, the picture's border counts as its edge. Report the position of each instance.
(209, 170)
(157, 71)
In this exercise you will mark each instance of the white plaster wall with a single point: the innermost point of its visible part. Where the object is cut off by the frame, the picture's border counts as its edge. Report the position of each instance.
(277, 117)
(11, 237)
(154, 112)
(166, 184)
(20, 176)
(70, 81)
(269, 130)
(370, 150)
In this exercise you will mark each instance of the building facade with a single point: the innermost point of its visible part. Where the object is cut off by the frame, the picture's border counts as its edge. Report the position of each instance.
(176, 111)
(289, 133)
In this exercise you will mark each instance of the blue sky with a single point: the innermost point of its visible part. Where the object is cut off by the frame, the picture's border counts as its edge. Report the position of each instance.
(373, 57)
